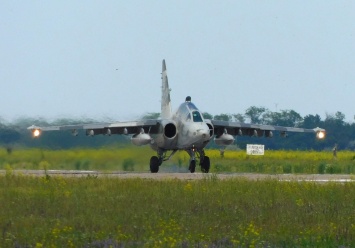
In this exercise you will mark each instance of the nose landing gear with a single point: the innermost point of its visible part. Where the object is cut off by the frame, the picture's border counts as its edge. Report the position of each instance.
(204, 160)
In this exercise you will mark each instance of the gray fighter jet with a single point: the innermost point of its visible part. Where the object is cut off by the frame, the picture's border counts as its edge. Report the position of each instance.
(185, 129)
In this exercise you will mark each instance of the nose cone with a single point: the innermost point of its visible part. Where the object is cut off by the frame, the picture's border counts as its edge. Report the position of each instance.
(204, 132)
(195, 134)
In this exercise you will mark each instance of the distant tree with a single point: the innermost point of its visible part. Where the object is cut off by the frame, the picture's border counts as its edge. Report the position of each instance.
(288, 118)
(339, 115)
(8, 135)
(311, 121)
(254, 113)
(270, 117)
(336, 119)
(338, 132)
(70, 121)
(223, 117)
(239, 117)
(151, 116)
(23, 123)
(207, 115)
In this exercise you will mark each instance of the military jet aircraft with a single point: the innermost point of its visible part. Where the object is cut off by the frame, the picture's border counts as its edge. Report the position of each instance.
(185, 129)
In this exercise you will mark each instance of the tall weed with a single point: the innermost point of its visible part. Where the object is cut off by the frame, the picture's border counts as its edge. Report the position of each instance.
(99, 212)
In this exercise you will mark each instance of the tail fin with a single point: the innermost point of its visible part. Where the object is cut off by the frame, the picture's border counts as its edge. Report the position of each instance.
(165, 97)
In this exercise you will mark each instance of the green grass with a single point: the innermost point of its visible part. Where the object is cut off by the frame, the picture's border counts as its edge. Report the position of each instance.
(132, 158)
(93, 212)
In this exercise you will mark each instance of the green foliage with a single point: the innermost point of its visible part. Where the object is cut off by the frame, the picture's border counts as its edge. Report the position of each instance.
(128, 164)
(132, 158)
(218, 167)
(207, 115)
(223, 117)
(239, 117)
(254, 113)
(151, 116)
(9, 135)
(288, 118)
(104, 212)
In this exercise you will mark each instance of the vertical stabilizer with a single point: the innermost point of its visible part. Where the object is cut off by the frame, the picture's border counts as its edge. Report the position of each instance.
(165, 97)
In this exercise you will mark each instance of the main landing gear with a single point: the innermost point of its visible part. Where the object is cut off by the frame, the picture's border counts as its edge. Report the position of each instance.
(205, 164)
(156, 161)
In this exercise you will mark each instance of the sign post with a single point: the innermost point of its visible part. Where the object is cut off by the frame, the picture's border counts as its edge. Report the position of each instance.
(253, 149)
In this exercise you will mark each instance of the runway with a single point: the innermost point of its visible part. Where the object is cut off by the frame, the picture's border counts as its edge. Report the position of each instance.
(321, 178)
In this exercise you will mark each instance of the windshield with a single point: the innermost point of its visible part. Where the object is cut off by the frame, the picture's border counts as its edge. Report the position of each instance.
(188, 111)
(196, 116)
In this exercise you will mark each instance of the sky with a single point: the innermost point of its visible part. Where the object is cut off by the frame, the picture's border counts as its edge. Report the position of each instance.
(103, 59)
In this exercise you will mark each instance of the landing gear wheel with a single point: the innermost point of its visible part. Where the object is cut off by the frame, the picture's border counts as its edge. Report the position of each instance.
(192, 166)
(154, 164)
(205, 165)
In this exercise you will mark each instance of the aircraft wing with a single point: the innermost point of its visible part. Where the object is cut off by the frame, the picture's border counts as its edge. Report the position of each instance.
(128, 127)
(239, 128)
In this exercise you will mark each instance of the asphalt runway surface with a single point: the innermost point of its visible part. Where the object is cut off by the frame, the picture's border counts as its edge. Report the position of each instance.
(321, 178)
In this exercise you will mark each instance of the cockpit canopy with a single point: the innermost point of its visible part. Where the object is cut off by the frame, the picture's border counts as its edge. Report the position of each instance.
(189, 111)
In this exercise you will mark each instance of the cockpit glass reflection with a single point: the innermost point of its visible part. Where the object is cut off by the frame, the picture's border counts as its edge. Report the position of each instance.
(196, 116)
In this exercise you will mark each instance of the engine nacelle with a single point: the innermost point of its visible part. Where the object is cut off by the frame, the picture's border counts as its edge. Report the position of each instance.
(211, 128)
(141, 139)
(170, 130)
(167, 135)
(224, 140)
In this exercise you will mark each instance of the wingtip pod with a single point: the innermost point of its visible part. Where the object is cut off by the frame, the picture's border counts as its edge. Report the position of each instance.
(320, 132)
(36, 131)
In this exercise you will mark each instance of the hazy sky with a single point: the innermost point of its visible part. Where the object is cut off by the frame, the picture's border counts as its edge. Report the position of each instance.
(102, 59)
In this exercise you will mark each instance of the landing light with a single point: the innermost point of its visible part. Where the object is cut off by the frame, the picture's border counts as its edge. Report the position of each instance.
(321, 135)
(36, 133)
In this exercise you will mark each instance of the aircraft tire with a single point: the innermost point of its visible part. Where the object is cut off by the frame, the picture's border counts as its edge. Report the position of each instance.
(154, 164)
(205, 165)
(192, 166)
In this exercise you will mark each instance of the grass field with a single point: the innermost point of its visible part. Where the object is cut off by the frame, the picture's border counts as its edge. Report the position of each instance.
(94, 212)
(52, 211)
(132, 158)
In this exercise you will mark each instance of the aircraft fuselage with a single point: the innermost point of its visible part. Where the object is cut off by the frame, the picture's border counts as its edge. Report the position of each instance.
(193, 131)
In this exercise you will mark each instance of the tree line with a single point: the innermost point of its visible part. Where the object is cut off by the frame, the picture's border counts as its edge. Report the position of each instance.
(340, 132)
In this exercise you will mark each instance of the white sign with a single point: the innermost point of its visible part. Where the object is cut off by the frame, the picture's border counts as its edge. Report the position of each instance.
(255, 149)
